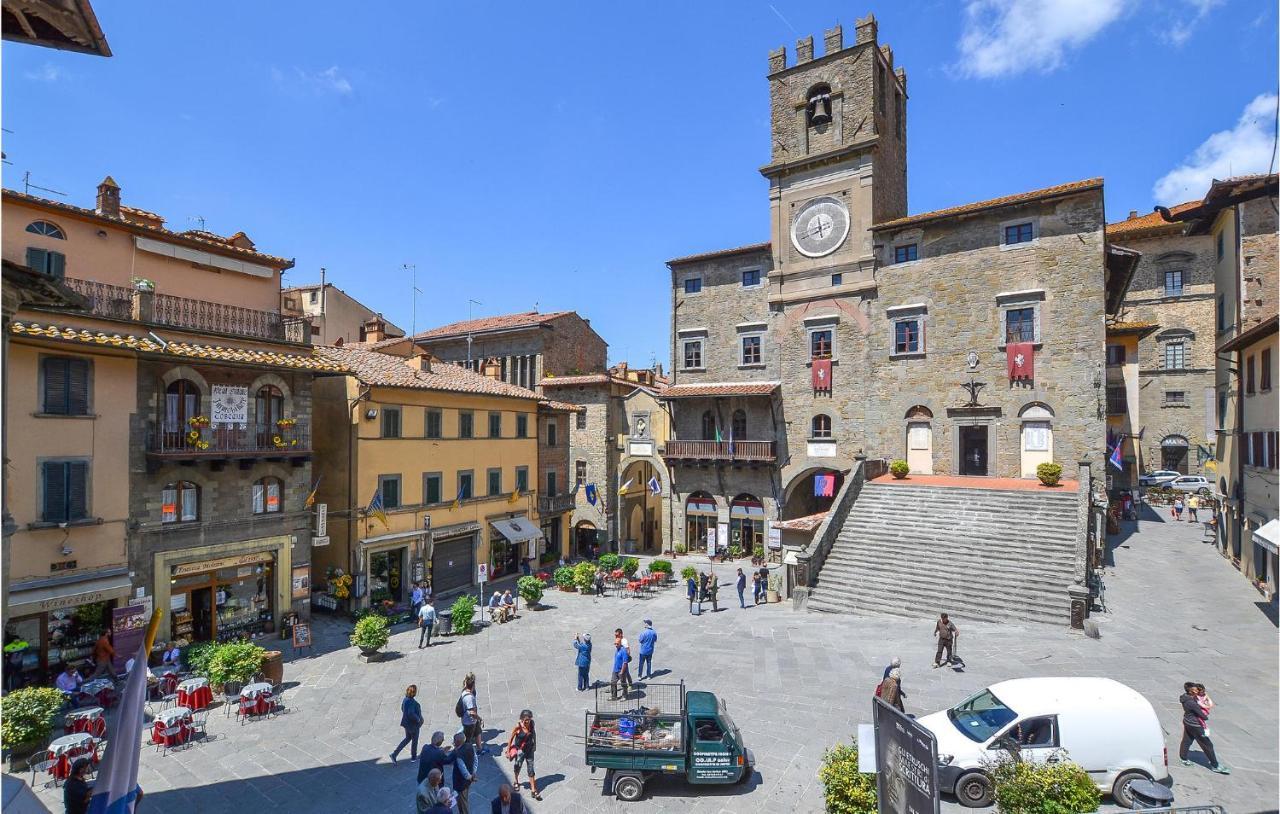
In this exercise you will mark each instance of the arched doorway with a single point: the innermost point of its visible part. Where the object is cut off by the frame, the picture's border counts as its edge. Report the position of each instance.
(920, 440)
(585, 536)
(746, 522)
(699, 515)
(811, 492)
(1173, 453)
(639, 509)
(1037, 437)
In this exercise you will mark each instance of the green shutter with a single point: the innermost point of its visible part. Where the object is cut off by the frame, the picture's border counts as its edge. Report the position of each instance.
(77, 490)
(55, 492)
(57, 265)
(77, 386)
(37, 260)
(55, 386)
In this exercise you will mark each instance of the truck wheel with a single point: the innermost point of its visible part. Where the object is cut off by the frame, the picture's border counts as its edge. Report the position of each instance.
(628, 788)
(1122, 792)
(973, 790)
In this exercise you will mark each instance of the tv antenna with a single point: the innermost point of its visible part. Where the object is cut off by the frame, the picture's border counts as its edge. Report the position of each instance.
(200, 220)
(414, 291)
(27, 186)
(470, 318)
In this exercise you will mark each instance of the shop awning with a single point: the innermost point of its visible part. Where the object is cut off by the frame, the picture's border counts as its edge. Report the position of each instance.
(72, 592)
(392, 537)
(1268, 536)
(750, 509)
(700, 505)
(18, 798)
(517, 529)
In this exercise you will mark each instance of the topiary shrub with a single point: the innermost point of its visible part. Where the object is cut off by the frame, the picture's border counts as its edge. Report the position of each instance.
(661, 567)
(462, 611)
(758, 552)
(27, 715)
(1042, 788)
(1049, 473)
(608, 561)
(630, 566)
(899, 469)
(688, 571)
(735, 551)
(563, 576)
(235, 663)
(584, 576)
(530, 589)
(847, 790)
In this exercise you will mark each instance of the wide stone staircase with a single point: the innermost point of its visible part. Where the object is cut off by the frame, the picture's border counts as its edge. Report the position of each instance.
(979, 554)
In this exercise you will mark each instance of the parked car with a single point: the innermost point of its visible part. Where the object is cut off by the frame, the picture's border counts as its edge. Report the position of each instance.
(1190, 483)
(1102, 725)
(1157, 478)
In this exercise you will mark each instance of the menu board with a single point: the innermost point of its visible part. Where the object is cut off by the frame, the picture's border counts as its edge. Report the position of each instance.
(301, 635)
(129, 630)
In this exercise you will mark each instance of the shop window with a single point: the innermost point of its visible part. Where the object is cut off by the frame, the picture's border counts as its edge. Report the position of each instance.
(66, 385)
(435, 423)
(495, 482)
(432, 488)
(495, 425)
(821, 426)
(466, 421)
(522, 478)
(522, 426)
(180, 502)
(66, 495)
(390, 488)
(267, 496)
(390, 422)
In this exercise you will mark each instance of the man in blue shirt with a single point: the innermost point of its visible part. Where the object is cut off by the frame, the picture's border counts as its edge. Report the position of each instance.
(417, 596)
(426, 621)
(619, 664)
(583, 660)
(433, 756)
(648, 638)
(465, 765)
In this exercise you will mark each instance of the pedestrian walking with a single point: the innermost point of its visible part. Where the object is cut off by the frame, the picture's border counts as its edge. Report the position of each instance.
(890, 689)
(764, 582)
(741, 584)
(648, 638)
(507, 801)
(692, 590)
(417, 597)
(600, 580)
(619, 665)
(411, 720)
(427, 617)
(77, 791)
(946, 634)
(103, 653)
(428, 793)
(520, 748)
(702, 587)
(465, 765)
(1195, 726)
(1193, 504)
(1177, 508)
(626, 668)
(713, 589)
(755, 587)
(432, 756)
(582, 643)
(468, 709)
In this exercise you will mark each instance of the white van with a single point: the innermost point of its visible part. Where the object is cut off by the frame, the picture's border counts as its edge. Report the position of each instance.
(1102, 725)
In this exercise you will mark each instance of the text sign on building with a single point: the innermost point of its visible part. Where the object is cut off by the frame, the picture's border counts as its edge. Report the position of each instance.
(317, 542)
(775, 536)
(711, 541)
(223, 562)
(322, 519)
(228, 404)
(907, 763)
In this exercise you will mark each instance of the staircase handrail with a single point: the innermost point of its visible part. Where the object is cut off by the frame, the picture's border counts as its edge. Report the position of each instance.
(809, 561)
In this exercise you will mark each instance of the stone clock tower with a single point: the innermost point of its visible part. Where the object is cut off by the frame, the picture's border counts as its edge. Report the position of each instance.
(838, 164)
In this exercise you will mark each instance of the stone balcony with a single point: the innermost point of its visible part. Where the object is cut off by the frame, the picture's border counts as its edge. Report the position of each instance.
(555, 504)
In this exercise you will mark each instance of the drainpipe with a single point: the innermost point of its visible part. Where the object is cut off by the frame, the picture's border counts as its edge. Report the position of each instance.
(1238, 525)
(354, 431)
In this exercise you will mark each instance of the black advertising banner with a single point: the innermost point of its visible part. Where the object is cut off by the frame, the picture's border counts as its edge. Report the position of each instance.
(906, 763)
(128, 630)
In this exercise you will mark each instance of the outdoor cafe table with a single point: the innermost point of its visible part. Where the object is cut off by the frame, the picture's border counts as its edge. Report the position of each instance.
(166, 719)
(194, 693)
(101, 689)
(90, 720)
(66, 749)
(255, 699)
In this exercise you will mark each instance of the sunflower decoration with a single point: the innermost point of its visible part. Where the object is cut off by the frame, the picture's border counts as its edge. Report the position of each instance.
(286, 423)
(278, 441)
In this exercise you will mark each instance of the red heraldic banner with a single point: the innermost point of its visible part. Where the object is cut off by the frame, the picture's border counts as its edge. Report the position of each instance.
(1021, 359)
(822, 374)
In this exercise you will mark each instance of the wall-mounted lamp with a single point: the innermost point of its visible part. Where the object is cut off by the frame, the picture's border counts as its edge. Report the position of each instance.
(102, 233)
(371, 413)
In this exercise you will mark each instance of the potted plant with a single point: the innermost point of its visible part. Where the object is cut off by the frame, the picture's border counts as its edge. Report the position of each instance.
(26, 718)
(629, 566)
(774, 588)
(462, 614)
(530, 589)
(563, 577)
(663, 567)
(608, 561)
(234, 663)
(679, 549)
(899, 469)
(1050, 474)
(584, 576)
(371, 634)
(689, 572)
(735, 552)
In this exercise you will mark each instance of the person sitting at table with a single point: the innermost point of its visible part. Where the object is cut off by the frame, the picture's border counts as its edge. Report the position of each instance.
(508, 606)
(495, 608)
(77, 790)
(172, 657)
(69, 681)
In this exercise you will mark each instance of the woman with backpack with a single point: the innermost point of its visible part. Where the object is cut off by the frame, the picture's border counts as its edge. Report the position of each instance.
(520, 748)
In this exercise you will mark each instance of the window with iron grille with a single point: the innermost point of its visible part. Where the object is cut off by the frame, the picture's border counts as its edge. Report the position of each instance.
(1020, 325)
(66, 495)
(1117, 401)
(1177, 398)
(1173, 283)
(66, 385)
(1175, 356)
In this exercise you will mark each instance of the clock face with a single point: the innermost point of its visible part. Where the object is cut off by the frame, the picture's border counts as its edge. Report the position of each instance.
(820, 226)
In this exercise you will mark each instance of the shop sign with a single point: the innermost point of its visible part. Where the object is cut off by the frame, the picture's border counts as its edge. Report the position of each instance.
(775, 536)
(74, 600)
(417, 571)
(711, 541)
(229, 404)
(317, 542)
(907, 763)
(223, 562)
(722, 535)
(128, 629)
(322, 519)
(178, 602)
(301, 581)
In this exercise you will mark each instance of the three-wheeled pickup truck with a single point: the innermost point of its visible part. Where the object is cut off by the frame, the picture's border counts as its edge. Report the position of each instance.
(661, 729)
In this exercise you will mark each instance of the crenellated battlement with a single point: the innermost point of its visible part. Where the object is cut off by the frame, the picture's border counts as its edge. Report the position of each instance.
(832, 42)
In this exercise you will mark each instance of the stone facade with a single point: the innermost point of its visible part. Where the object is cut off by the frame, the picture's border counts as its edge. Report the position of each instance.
(1173, 288)
(1258, 242)
(553, 345)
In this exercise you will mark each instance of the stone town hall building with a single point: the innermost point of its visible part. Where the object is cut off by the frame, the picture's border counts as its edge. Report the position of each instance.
(858, 329)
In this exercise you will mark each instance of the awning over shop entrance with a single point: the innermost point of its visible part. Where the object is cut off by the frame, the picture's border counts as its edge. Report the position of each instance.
(519, 530)
(73, 592)
(1268, 536)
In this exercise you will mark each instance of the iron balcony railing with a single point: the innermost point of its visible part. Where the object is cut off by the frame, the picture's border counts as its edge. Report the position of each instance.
(555, 504)
(253, 438)
(721, 450)
(119, 302)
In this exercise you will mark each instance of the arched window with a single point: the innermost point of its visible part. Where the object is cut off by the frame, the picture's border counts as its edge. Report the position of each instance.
(708, 426)
(700, 515)
(746, 522)
(181, 402)
(739, 426)
(180, 502)
(268, 405)
(267, 495)
(821, 426)
(818, 109)
(44, 227)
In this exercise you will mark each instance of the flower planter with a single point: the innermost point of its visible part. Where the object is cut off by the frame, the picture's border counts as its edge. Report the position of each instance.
(771, 595)
(371, 653)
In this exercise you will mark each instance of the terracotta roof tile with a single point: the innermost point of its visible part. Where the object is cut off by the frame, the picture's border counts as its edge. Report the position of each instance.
(384, 370)
(505, 322)
(567, 381)
(993, 203)
(750, 247)
(562, 406)
(1149, 223)
(809, 522)
(683, 391)
(212, 353)
(1131, 327)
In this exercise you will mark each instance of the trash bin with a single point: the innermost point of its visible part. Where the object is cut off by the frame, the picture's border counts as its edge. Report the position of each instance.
(446, 623)
(273, 666)
(1149, 794)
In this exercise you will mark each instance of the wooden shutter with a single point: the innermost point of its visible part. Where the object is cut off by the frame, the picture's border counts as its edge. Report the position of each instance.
(55, 492)
(57, 265)
(37, 259)
(77, 490)
(77, 386)
(55, 386)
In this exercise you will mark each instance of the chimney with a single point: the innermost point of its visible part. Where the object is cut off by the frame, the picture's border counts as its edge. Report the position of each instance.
(420, 362)
(108, 198)
(804, 50)
(375, 330)
(832, 40)
(1133, 213)
(866, 30)
(491, 369)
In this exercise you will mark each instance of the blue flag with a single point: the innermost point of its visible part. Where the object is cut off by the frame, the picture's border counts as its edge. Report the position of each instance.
(591, 493)
(1115, 458)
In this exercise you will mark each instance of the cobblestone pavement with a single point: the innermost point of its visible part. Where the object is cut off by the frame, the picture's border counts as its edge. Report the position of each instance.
(795, 684)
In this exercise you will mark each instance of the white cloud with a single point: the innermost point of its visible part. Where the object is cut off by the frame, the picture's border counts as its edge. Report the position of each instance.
(1244, 149)
(329, 81)
(1007, 37)
(1184, 22)
(47, 73)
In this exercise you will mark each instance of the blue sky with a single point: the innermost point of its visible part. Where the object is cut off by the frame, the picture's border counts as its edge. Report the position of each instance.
(558, 153)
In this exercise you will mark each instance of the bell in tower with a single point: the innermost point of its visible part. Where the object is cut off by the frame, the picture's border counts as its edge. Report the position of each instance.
(819, 111)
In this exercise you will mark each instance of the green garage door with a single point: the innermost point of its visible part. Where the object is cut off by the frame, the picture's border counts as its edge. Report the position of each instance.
(453, 564)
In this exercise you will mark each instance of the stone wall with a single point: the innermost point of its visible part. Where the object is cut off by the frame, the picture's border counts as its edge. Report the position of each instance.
(720, 314)
(724, 483)
(591, 440)
(1258, 248)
